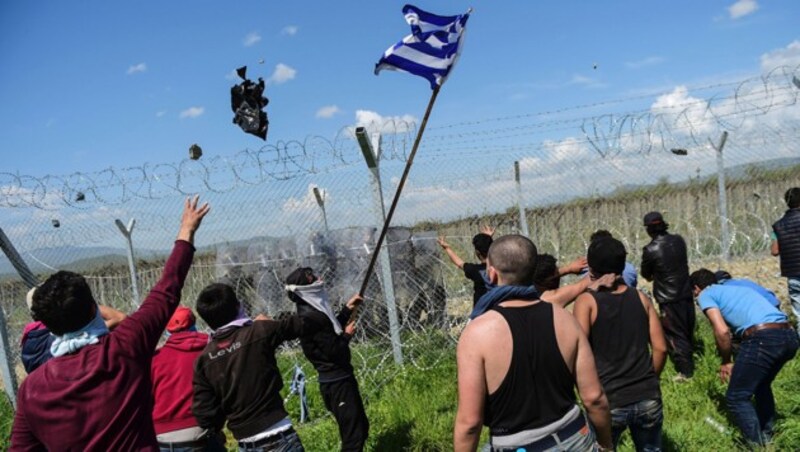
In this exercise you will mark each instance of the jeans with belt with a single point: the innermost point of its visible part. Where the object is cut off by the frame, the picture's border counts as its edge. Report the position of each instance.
(287, 441)
(761, 356)
(211, 443)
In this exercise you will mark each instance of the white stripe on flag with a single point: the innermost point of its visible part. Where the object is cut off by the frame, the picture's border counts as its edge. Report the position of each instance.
(424, 59)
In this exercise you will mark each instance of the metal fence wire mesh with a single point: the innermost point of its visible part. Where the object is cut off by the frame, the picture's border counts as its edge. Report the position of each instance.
(314, 203)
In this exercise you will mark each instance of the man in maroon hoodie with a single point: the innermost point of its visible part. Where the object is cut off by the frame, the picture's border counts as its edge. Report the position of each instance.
(95, 394)
(173, 365)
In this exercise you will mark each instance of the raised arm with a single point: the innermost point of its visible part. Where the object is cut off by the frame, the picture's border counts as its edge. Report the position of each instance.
(140, 331)
(450, 253)
(471, 393)
(574, 267)
(658, 344)
(563, 296)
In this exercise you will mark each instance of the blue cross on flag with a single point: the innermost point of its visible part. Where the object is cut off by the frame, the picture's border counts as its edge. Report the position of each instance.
(432, 48)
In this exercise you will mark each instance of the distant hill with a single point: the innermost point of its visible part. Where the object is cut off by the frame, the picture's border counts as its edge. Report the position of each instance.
(74, 258)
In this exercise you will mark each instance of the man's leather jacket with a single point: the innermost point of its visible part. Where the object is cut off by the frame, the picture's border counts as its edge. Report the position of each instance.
(665, 263)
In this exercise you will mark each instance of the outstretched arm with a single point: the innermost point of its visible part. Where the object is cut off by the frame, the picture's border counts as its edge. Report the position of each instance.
(450, 253)
(574, 267)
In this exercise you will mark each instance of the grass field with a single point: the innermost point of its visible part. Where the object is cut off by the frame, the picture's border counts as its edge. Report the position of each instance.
(414, 408)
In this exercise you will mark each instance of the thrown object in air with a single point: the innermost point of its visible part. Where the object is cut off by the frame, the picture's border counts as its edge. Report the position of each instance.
(195, 152)
(594, 66)
(56, 223)
(247, 103)
(80, 196)
(679, 151)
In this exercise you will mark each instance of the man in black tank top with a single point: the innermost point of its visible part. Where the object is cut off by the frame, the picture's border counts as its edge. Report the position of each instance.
(519, 364)
(623, 327)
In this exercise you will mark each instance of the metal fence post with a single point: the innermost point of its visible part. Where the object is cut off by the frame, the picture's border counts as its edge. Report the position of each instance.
(368, 145)
(523, 218)
(723, 197)
(127, 231)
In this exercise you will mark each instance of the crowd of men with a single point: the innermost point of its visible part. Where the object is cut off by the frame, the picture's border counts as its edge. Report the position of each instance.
(97, 382)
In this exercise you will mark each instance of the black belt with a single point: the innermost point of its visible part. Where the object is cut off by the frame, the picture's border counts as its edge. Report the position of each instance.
(196, 443)
(549, 441)
(268, 441)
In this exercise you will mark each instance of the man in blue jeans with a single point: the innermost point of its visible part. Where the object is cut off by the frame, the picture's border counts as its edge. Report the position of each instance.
(786, 244)
(628, 344)
(768, 342)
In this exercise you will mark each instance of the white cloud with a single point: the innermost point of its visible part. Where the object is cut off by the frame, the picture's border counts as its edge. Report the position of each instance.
(251, 39)
(307, 202)
(588, 82)
(328, 111)
(787, 56)
(141, 67)
(161, 113)
(290, 30)
(742, 8)
(282, 74)
(649, 61)
(374, 122)
(192, 112)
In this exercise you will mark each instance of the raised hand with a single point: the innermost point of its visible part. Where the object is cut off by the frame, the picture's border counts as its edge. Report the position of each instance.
(488, 230)
(192, 216)
(442, 242)
(354, 301)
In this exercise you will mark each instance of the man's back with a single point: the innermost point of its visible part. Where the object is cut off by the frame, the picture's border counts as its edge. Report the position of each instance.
(99, 398)
(664, 261)
(237, 379)
(787, 231)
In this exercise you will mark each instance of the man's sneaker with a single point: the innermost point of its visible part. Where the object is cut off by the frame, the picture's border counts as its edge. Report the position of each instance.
(681, 378)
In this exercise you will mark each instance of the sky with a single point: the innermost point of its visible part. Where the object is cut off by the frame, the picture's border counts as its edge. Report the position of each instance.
(91, 85)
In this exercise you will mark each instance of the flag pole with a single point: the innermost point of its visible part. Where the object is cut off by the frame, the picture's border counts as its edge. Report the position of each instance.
(400, 186)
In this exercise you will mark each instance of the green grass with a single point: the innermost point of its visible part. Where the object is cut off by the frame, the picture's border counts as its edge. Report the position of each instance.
(413, 407)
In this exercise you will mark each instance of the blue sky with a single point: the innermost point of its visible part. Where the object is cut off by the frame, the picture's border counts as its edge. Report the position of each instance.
(90, 85)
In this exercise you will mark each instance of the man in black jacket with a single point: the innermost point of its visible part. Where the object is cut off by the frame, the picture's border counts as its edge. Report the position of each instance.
(325, 343)
(664, 261)
(236, 377)
(786, 244)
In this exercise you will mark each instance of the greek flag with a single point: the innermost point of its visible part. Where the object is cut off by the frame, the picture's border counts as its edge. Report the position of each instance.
(432, 48)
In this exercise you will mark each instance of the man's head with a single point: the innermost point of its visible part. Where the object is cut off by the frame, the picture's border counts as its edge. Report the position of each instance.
(792, 197)
(482, 242)
(302, 276)
(722, 276)
(545, 276)
(600, 234)
(655, 224)
(217, 305)
(182, 320)
(64, 303)
(511, 261)
(606, 255)
(701, 279)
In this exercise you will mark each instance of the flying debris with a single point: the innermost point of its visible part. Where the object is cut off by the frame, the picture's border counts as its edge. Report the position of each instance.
(679, 151)
(594, 66)
(56, 223)
(195, 152)
(80, 197)
(261, 61)
(247, 103)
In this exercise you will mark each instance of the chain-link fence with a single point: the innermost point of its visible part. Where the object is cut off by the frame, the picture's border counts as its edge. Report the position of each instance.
(314, 203)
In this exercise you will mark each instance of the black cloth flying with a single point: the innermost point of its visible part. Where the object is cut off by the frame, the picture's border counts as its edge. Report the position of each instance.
(620, 339)
(538, 388)
(678, 321)
(475, 273)
(327, 351)
(343, 399)
(247, 103)
(787, 230)
(664, 262)
(236, 377)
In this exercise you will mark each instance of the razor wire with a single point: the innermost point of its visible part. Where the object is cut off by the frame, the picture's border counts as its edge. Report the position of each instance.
(580, 171)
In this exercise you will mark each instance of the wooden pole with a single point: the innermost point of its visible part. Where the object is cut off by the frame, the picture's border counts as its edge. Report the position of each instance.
(400, 186)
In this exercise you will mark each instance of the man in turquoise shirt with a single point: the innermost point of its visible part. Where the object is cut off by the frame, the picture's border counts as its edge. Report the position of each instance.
(768, 342)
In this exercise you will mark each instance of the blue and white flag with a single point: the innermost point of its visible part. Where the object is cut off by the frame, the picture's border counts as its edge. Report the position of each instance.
(432, 48)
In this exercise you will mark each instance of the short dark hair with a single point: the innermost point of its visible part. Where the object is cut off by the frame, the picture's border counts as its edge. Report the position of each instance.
(600, 234)
(217, 305)
(514, 257)
(606, 255)
(64, 303)
(302, 276)
(482, 242)
(702, 278)
(545, 276)
(792, 197)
